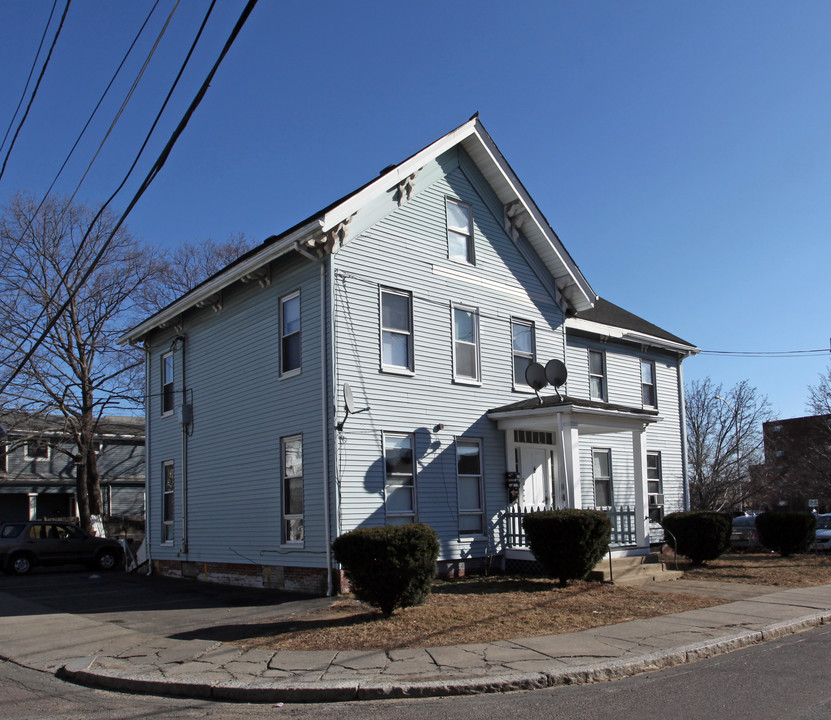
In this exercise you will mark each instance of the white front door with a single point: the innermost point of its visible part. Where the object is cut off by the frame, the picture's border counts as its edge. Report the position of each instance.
(535, 472)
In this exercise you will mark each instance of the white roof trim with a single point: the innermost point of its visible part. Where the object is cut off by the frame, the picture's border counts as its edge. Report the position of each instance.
(616, 333)
(223, 279)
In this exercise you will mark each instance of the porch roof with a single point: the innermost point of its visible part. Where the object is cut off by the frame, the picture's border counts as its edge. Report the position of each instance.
(590, 416)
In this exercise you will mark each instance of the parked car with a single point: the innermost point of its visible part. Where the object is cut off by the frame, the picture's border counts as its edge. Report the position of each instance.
(822, 542)
(26, 544)
(744, 535)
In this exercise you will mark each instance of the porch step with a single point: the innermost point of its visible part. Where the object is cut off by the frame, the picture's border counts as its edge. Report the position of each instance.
(637, 570)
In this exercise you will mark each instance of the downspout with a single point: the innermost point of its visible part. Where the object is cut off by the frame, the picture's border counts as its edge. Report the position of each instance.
(185, 420)
(682, 411)
(324, 419)
(148, 534)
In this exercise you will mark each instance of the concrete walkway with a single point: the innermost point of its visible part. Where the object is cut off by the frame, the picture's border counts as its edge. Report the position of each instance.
(106, 655)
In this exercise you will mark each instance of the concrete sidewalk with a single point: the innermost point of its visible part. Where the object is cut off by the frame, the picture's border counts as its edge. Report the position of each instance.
(106, 655)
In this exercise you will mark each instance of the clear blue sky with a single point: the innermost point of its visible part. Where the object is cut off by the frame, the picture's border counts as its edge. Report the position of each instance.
(682, 151)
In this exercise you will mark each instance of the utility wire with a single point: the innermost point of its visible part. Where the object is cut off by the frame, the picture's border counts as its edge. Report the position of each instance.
(35, 90)
(154, 171)
(767, 353)
(31, 72)
(86, 126)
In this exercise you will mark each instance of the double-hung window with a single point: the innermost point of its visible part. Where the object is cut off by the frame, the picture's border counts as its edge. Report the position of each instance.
(466, 344)
(168, 386)
(654, 486)
(602, 472)
(292, 452)
(522, 339)
(168, 500)
(37, 449)
(399, 480)
(290, 334)
(469, 482)
(396, 330)
(597, 375)
(459, 231)
(648, 393)
(4, 455)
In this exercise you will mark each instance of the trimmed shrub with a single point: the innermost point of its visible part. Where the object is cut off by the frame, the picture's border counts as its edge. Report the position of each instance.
(389, 567)
(787, 533)
(701, 534)
(568, 543)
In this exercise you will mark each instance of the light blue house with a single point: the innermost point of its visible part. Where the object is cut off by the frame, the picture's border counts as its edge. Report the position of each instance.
(368, 367)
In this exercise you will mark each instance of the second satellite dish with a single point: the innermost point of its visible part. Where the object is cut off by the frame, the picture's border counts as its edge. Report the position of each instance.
(555, 372)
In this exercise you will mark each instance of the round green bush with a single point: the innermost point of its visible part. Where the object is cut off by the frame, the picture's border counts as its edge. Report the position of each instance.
(787, 533)
(389, 567)
(568, 543)
(701, 535)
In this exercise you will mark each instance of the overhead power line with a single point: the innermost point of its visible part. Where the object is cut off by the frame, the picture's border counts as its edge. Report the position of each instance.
(151, 175)
(35, 90)
(767, 353)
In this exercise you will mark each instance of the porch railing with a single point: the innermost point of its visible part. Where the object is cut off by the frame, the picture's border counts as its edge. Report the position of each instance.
(622, 517)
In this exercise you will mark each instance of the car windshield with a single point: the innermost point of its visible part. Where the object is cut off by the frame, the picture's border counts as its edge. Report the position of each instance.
(824, 522)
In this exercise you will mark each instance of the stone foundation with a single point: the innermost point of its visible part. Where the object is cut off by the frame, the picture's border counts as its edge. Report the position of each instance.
(277, 577)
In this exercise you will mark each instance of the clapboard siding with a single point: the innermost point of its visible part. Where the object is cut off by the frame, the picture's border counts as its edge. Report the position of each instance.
(407, 250)
(241, 410)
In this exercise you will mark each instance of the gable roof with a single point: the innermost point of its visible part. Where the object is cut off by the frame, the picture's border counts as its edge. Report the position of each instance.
(323, 230)
(610, 320)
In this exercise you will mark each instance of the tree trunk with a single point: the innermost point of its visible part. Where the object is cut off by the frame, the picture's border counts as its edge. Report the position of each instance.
(81, 491)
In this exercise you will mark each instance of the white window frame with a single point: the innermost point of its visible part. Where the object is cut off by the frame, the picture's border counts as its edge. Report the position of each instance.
(469, 258)
(289, 531)
(645, 385)
(520, 382)
(168, 523)
(41, 442)
(284, 336)
(478, 478)
(476, 379)
(604, 386)
(396, 517)
(602, 478)
(409, 369)
(168, 383)
(655, 509)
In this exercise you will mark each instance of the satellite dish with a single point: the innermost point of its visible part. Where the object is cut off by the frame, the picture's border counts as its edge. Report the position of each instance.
(555, 372)
(348, 398)
(535, 376)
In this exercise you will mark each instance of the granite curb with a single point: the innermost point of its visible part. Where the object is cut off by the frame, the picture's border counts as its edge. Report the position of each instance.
(82, 672)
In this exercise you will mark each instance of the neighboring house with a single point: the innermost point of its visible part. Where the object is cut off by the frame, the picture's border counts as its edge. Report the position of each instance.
(797, 462)
(37, 469)
(367, 367)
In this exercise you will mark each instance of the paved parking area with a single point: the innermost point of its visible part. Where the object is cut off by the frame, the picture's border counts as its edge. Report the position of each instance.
(161, 606)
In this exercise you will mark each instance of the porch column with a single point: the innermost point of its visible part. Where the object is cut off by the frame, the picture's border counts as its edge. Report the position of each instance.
(569, 461)
(641, 513)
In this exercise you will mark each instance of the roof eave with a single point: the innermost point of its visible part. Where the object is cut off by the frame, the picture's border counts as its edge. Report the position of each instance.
(618, 333)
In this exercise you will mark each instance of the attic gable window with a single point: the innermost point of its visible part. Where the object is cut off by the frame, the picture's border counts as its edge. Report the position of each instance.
(460, 231)
(290, 334)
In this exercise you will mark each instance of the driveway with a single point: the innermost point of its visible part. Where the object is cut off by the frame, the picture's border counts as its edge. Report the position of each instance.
(181, 609)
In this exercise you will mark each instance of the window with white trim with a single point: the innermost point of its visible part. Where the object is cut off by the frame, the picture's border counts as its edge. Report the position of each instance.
(602, 474)
(522, 342)
(469, 484)
(168, 500)
(459, 231)
(37, 449)
(648, 392)
(4, 456)
(292, 453)
(168, 384)
(290, 334)
(597, 375)
(654, 486)
(396, 330)
(399, 478)
(466, 344)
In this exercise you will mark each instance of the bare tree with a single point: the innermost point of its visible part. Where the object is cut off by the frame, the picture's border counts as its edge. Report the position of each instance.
(724, 435)
(78, 371)
(191, 263)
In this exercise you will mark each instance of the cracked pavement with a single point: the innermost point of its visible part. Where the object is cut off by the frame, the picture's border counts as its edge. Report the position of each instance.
(107, 654)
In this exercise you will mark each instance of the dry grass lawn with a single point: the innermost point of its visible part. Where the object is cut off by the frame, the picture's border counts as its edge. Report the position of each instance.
(485, 609)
